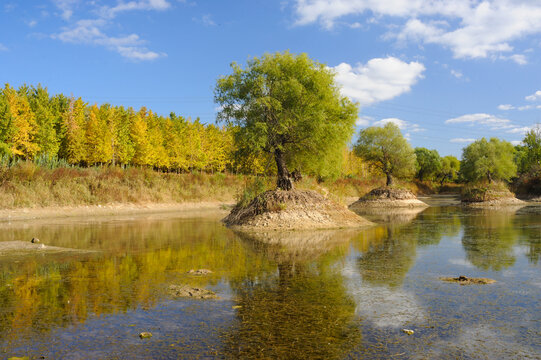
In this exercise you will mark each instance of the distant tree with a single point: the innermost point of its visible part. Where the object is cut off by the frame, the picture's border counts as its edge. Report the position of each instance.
(450, 167)
(490, 160)
(428, 163)
(529, 154)
(385, 149)
(289, 106)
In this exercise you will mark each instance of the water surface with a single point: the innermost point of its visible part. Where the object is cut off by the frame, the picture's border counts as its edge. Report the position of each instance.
(325, 294)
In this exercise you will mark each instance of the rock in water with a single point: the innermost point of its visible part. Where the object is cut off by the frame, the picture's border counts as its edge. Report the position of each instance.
(464, 280)
(191, 292)
(145, 335)
(200, 272)
(408, 331)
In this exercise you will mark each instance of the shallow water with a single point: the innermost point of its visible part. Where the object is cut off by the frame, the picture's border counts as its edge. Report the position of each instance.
(316, 295)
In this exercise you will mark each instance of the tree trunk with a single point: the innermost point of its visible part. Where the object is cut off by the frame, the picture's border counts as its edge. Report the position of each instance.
(390, 181)
(284, 180)
(489, 177)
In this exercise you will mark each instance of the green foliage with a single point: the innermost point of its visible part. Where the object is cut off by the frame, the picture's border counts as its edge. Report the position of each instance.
(386, 150)
(450, 167)
(490, 160)
(55, 130)
(287, 105)
(428, 163)
(528, 155)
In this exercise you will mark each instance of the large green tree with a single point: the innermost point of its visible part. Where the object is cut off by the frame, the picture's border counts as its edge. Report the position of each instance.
(385, 149)
(289, 106)
(428, 163)
(490, 160)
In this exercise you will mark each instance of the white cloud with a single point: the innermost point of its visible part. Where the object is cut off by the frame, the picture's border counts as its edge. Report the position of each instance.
(205, 20)
(535, 96)
(516, 142)
(364, 120)
(66, 7)
(519, 130)
(461, 140)
(91, 31)
(469, 28)
(505, 107)
(3, 47)
(402, 125)
(491, 121)
(111, 12)
(378, 80)
(32, 23)
(398, 122)
(481, 119)
(518, 58)
(457, 74)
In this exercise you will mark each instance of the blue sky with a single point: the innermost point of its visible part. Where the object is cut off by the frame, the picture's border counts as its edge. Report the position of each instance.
(446, 72)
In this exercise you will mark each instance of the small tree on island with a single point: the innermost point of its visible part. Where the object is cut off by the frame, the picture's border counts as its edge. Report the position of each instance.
(286, 105)
(491, 160)
(385, 149)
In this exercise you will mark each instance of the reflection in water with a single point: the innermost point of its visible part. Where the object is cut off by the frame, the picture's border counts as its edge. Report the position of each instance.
(137, 262)
(300, 311)
(489, 237)
(390, 257)
(324, 294)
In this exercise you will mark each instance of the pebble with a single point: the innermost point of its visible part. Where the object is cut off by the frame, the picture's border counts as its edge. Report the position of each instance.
(408, 331)
(145, 335)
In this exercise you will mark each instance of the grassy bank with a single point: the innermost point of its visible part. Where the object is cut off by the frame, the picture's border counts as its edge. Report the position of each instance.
(29, 185)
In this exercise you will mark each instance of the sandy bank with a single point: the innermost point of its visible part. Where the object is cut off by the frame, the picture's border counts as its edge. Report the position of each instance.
(7, 215)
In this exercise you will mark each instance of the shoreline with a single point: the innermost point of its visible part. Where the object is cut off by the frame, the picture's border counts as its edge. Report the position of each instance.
(114, 209)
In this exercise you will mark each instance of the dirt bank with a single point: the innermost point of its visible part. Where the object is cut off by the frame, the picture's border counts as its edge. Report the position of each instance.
(386, 197)
(8, 215)
(296, 209)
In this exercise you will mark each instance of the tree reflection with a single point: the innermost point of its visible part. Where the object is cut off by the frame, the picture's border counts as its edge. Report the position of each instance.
(489, 237)
(302, 310)
(530, 233)
(388, 259)
(141, 259)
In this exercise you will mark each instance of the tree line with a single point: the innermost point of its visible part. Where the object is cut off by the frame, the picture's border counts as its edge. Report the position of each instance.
(37, 125)
(34, 124)
(387, 151)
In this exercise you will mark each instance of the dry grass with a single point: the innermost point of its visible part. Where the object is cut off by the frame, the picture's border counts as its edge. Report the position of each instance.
(27, 185)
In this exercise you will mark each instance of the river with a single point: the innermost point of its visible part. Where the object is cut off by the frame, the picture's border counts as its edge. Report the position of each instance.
(302, 295)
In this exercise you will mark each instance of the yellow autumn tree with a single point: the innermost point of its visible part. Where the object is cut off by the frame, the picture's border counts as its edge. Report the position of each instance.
(23, 123)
